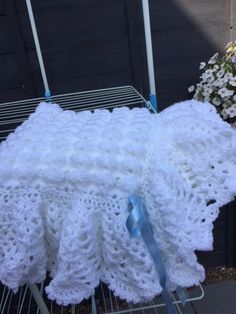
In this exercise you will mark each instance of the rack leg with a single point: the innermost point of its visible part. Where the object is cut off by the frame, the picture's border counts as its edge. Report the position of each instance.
(39, 299)
(94, 306)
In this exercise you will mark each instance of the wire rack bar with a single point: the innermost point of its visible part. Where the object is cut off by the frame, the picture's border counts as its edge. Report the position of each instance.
(73, 101)
(14, 113)
(109, 304)
(103, 302)
(121, 100)
(80, 95)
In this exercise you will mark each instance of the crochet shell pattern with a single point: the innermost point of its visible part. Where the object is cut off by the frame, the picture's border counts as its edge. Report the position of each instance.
(65, 179)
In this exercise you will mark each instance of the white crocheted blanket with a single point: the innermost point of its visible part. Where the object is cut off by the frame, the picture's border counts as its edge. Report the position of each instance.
(65, 179)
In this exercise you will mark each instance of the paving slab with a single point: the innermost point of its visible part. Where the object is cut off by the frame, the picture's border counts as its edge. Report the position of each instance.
(219, 298)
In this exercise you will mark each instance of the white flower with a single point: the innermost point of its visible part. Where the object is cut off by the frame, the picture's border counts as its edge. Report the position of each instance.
(213, 58)
(207, 76)
(208, 72)
(207, 92)
(225, 92)
(216, 101)
(211, 79)
(202, 65)
(218, 82)
(224, 114)
(224, 80)
(212, 61)
(205, 89)
(228, 76)
(231, 111)
(232, 81)
(215, 68)
(191, 89)
(199, 84)
(220, 73)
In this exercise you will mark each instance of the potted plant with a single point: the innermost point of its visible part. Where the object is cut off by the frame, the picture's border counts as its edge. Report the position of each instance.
(218, 83)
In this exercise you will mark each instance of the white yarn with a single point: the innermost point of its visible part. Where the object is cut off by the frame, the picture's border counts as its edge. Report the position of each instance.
(65, 178)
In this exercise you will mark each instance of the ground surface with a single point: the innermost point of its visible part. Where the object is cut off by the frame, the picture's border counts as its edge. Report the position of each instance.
(219, 274)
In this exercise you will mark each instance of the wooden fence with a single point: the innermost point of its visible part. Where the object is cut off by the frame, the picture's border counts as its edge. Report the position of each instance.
(100, 43)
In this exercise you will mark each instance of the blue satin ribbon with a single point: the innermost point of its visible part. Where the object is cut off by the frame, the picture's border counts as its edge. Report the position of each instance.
(137, 224)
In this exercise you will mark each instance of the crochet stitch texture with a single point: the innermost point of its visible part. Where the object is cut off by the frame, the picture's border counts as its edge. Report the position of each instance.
(65, 179)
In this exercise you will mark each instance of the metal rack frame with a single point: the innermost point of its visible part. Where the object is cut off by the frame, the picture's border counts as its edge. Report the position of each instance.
(14, 113)
(24, 303)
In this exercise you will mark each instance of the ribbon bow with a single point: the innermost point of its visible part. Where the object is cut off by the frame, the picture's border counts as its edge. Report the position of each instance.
(137, 224)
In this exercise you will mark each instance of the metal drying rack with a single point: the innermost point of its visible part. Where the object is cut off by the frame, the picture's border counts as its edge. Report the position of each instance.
(14, 113)
(32, 299)
(104, 302)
